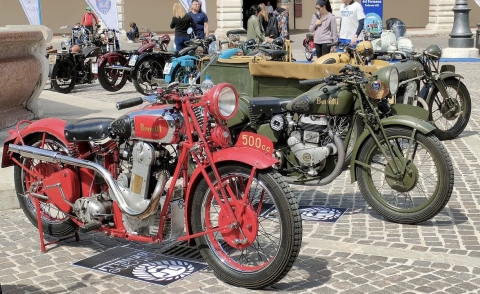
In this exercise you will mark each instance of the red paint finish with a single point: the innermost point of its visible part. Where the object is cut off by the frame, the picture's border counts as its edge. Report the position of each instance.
(150, 127)
(66, 180)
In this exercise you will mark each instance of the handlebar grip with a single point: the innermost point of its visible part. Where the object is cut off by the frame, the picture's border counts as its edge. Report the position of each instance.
(129, 103)
(312, 82)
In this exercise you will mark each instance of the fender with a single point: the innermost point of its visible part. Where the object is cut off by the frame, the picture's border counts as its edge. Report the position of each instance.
(407, 109)
(111, 57)
(249, 156)
(186, 60)
(443, 76)
(448, 74)
(397, 120)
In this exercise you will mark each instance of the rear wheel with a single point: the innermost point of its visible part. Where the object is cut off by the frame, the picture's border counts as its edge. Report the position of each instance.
(262, 247)
(111, 80)
(54, 222)
(64, 76)
(450, 115)
(146, 70)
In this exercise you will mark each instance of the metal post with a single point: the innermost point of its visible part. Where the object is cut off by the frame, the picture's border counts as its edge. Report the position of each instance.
(461, 35)
(477, 39)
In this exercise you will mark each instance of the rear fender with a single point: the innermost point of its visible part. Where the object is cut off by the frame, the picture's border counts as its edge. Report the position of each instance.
(397, 120)
(187, 60)
(111, 57)
(249, 156)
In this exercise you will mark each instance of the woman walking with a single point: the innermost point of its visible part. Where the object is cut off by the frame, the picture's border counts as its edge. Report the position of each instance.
(181, 21)
(324, 27)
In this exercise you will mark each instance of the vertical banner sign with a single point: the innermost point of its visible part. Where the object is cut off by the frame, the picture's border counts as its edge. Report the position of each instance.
(186, 4)
(32, 10)
(373, 10)
(106, 11)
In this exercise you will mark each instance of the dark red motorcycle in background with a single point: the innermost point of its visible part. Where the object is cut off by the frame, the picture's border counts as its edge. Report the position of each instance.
(128, 178)
(114, 68)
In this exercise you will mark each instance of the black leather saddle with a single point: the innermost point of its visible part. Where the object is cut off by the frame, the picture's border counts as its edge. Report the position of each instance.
(236, 32)
(88, 129)
(271, 105)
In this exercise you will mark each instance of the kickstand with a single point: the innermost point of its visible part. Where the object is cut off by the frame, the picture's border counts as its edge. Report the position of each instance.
(43, 245)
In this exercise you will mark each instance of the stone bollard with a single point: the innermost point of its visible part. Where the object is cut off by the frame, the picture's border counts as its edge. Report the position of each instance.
(23, 72)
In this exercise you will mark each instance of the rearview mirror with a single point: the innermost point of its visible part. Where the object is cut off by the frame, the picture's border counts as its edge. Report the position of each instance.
(189, 31)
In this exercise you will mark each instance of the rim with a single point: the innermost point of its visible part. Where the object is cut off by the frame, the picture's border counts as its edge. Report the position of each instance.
(113, 75)
(441, 116)
(64, 75)
(145, 74)
(49, 212)
(263, 245)
(425, 175)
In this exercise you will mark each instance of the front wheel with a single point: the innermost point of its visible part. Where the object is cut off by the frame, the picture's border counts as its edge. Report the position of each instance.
(450, 115)
(54, 222)
(417, 193)
(64, 76)
(142, 76)
(261, 248)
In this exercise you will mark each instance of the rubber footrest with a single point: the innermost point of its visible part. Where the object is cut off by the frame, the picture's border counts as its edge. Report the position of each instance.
(91, 226)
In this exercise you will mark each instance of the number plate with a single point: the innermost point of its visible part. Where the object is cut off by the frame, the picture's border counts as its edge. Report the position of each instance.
(52, 58)
(255, 141)
(168, 67)
(132, 60)
(95, 68)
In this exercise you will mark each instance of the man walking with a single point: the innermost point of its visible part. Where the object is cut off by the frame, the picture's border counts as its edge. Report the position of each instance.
(88, 19)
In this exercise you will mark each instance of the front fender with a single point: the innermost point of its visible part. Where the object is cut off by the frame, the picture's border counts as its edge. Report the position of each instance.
(51, 126)
(398, 120)
(448, 74)
(239, 155)
(407, 109)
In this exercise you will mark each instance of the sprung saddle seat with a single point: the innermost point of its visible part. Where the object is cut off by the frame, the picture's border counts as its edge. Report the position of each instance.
(88, 129)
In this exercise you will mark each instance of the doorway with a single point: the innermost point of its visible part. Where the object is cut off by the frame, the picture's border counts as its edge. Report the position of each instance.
(246, 7)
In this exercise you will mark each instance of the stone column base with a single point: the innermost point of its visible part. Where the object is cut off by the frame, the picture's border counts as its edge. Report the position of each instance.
(460, 53)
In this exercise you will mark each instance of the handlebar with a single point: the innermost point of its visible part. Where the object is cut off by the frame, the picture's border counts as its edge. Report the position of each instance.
(129, 103)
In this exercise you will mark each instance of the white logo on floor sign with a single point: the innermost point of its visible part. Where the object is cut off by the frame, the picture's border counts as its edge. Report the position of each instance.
(165, 270)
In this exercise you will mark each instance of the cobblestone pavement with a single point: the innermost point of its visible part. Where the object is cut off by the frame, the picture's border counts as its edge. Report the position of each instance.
(361, 253)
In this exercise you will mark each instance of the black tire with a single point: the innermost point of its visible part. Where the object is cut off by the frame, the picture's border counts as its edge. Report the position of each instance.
(448, 126)
(330, 61)
(64, 76)
(278, 207)
(358, 129)
(143, 73)
(111, 80)
(54, 221)
(181, 74)
(429, 192)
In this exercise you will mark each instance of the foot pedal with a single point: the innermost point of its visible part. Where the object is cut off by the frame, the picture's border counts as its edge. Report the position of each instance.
(91, 226)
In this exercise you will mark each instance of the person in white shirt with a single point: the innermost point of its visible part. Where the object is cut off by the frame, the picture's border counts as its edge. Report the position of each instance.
(352, 21)
(269, 7)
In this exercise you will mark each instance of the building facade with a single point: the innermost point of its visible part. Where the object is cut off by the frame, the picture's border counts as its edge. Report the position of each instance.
(435, 15)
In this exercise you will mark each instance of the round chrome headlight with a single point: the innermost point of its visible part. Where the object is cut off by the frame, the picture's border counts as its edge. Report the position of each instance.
(110, 34)
(65, 44)
(77, 34)
(393, 80)
(222, 101)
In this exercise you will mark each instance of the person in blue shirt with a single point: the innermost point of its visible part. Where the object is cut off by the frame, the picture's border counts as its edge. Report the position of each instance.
(200, 18)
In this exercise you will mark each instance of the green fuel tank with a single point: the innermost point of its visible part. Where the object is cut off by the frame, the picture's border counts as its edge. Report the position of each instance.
(337, 99)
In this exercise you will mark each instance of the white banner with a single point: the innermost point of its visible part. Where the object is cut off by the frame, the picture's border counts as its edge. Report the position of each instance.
(32, 10)
(478, 2)
(106, 11)
(186, 4)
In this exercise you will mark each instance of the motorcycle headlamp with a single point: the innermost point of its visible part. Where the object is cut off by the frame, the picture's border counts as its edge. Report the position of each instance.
(393, 81)
(65, 44)
(222, 101)
(110, 34)
(77, 33)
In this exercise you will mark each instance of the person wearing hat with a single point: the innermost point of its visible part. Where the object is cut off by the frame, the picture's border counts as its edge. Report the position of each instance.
(352, 21)
(88, 19)
(281, 13)
(324, 27)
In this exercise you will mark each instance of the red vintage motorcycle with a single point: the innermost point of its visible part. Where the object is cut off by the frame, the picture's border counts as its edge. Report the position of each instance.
(114, 68)
(128, 177)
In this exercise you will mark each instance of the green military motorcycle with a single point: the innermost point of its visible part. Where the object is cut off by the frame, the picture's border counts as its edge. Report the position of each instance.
(403, 171)
(438, 89)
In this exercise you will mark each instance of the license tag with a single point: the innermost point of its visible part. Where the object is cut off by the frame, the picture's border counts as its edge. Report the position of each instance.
(133, 60)
(168, 67)
(52, 58)
(255, 141)
(95, 68)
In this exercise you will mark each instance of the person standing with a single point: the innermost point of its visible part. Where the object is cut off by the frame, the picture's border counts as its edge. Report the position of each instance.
(181, 21)
(281, 13)
(352, 22)
(324, 27)
(263, 16)
(200, 18)
(269, 8)
(254, 28)
(88, 19)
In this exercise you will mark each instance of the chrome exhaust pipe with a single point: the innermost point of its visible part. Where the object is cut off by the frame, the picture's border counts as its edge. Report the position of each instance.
(117, 195)
(118, 67)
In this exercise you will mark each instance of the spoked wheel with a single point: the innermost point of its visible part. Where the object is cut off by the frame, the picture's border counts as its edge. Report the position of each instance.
(147, 69)
(64, 76)
(450, 115)
(308, 53)
(181, 74)
(417, 193)
(111, 80)
(54, 222)
(260, 249)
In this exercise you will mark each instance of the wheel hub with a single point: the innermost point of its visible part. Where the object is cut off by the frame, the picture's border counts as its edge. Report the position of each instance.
(244, 233)
(405, 182)
(450, 109)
